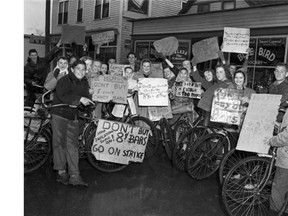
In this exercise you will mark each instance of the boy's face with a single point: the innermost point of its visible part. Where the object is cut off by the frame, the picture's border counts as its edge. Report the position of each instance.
(62, 64)
(280, 73)
(167, 73)
(128, 73)
(96, 67)
(79, 71)
(131, 59)
(33, 56)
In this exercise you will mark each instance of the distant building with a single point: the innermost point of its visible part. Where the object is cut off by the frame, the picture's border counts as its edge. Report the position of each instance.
(107, 15)
(34, 42)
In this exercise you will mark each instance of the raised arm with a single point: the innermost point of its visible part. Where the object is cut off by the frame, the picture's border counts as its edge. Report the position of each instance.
(196, 76)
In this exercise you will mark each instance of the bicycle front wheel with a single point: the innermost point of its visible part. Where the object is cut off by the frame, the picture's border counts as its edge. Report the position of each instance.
(179, 129)
(204, 158)
(247, 187)
(100, 165)
(153, 140)
(37, 149)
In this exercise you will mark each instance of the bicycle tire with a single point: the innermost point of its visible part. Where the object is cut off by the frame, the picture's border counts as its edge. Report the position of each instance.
(247, 194)
(39, 153)
(100, 165)
(153, 140)
(229, 160)
(167, 135)
(204, 158)
(183, 145)
(180, 128)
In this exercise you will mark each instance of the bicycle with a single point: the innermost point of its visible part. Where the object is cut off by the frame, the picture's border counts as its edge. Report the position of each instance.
(247, 186)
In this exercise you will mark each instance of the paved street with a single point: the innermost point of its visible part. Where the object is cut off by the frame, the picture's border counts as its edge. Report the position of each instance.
(153, 188)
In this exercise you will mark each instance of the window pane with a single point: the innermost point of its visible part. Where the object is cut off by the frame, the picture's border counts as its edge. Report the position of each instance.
(97, 12)
(203, 8)
(80, 4)
(66, 6)
(60, 7)
(98, 2)
(60, 18)
(65, 21)
(105, 10)
(79, 15)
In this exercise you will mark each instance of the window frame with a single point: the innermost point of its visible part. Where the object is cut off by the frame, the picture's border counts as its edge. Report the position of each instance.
(63, 15)
(102, 9)
(228, 1)
(203, 5)
(80, 11)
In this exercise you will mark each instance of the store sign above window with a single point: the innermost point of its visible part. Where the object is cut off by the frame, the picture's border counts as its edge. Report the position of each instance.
(103, 37)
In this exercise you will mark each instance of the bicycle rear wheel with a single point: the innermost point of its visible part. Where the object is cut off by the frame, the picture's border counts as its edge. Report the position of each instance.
(37, 149)
(205, 156)
(153, 140)
(183, 145)
(229, 160)
(245, 191)
(167, 135)
(100, 165)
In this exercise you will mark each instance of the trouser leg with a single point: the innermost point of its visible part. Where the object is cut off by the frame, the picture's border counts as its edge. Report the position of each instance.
(30, 99)
(72, 154)
(59, 140)
(279, 188)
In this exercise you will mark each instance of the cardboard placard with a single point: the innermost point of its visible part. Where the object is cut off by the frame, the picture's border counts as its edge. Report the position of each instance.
(103, 37)
(73, 34)
(117, 69)
(156, 113)
(109, 88)
(206, 49)
(182, 105)
(188, 89)
(167, 46)
(259, 123)
(227, 106)
(153, 92)
(236, 40)
(119, 142)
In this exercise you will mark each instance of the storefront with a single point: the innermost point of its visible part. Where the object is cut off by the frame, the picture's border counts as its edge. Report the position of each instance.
(268, 37)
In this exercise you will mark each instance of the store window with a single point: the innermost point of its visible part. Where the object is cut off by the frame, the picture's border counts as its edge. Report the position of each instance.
(228, 5)
(80, 11)
(266, 53)
(63, 12)
(146, 50)
(141, 6)
(101, 9)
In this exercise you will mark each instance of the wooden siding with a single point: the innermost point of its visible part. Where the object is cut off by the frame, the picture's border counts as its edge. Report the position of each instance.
(214, 21)
(88, 16)
(126, 35)
(216, 6)
(241, 4)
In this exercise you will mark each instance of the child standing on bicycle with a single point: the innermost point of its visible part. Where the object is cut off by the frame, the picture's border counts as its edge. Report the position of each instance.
(280, 182)
(71, 91)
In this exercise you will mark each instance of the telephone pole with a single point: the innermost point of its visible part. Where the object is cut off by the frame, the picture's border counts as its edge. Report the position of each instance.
(47, 26)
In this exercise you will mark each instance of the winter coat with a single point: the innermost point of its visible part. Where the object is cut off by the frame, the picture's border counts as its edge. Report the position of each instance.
(69, 90)
(281, 141)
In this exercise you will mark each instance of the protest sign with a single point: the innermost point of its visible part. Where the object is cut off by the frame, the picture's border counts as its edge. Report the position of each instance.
(227, 106)
(188, 89)
(236, 40)
(119, 142)
(167, 46)
(259, 123)
(206, 49)
(103, 37)
(109, 88)
(157, 70)
(73, 34)
(156, 113)
(117, 69)
(182, 105)
(153, 92)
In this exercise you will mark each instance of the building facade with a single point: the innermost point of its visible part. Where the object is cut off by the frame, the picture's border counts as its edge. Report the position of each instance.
(201, 19)
(106, 15)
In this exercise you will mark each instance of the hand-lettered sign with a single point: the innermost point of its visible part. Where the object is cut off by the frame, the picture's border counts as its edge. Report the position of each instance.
(73, 34)
(236, 40)
(188, 89)
(205, 50)
(103, 37)
(153, 92)
(110, 88)
(259, 123)
(117, 69)
(156, 113)
(167, 46)
(119, 142)
(227, 106)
